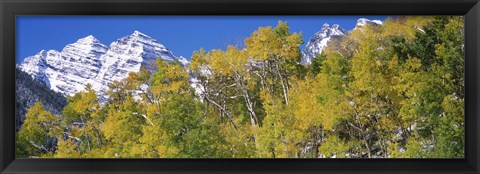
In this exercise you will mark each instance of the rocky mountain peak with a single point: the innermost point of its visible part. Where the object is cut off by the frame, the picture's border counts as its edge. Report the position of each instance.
(325, 26)
(88, 61)
(319, 41)
(363, 21)
(139, 34)
(90, 39)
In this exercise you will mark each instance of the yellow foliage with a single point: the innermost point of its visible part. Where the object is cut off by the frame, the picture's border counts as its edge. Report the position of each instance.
(405, 26)
(67, 149)
(274, 43)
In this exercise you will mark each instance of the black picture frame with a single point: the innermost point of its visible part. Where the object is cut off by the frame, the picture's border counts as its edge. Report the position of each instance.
(9, 9)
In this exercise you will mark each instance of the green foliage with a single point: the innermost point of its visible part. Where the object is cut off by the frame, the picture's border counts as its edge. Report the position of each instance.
(390, 91)
(316, 65)
(334, 146)
(39, 129)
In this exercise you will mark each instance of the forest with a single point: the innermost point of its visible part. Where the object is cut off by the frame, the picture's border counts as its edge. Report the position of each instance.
(389, 91)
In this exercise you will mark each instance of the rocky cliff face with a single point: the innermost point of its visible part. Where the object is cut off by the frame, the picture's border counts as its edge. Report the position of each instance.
(28, 91)
(88, 61)
(320, 40)
(362, 22)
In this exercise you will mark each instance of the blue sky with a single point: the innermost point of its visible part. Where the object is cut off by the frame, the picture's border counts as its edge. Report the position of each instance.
(181, 34)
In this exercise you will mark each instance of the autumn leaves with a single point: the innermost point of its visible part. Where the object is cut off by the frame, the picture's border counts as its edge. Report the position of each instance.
(391, 91)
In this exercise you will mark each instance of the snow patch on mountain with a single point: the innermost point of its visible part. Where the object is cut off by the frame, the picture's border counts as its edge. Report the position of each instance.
(36, 65)
(363, 21)
(128, 54)
(183, 61)
(320, 40)
(88, 61)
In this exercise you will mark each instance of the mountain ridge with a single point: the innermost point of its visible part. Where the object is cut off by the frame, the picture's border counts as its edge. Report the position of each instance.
(320, 40)
(88, 61)
(28, 92)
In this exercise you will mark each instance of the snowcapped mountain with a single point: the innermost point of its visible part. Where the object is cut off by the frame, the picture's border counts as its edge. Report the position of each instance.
(75, 66)
(88, 61)
(128, 54)
(36, 65)
(183, 61)
(320, 40)
(362, 22)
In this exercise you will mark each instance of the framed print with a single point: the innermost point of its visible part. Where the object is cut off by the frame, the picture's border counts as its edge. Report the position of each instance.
(239, 86)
